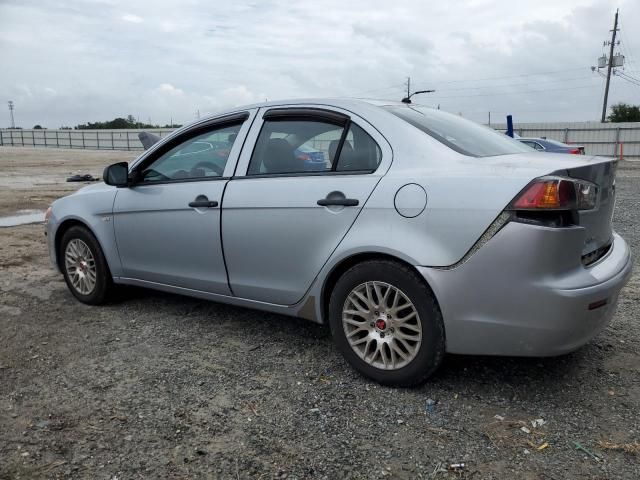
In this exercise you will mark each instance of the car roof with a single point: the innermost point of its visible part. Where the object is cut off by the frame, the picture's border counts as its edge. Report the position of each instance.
(339, 102)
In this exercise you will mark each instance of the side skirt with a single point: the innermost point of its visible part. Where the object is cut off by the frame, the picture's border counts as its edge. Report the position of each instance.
(300, 309)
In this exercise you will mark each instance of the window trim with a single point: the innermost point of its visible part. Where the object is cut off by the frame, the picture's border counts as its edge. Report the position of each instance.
(308, 115)
(343, 138)
(228, 120)
(310, 173)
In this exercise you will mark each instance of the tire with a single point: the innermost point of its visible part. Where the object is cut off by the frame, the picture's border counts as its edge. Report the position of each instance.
(382, 336)
(80, 248)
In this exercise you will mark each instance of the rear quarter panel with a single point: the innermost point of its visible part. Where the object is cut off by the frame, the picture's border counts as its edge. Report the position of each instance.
(464, 196)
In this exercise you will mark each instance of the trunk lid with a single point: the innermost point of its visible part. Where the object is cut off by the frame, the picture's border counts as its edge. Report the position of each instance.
(598, 170)
(597, 222)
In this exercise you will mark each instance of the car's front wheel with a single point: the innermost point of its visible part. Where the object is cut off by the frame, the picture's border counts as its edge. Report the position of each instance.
(386, 323)
(84, 267)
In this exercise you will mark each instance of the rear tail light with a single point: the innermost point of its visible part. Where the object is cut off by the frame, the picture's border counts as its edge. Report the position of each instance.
(576, 151)
(556, 193)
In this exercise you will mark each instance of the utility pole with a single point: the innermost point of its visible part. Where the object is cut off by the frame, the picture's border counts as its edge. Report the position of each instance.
(489, 118)
(13, 123)
(609, 67)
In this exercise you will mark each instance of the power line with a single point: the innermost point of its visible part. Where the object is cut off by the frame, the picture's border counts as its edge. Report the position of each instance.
(627, 46)
(514, 108)
(478, 87)
(516, 93)
(562, 80)
(623, 73)
(631, 80)
(512, 76)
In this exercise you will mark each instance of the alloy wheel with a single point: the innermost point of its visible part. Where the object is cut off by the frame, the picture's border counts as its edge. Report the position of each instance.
(81, 266)
(382, 325)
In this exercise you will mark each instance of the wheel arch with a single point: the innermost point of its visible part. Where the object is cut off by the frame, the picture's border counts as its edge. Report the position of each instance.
(346, 263)
(64, 226)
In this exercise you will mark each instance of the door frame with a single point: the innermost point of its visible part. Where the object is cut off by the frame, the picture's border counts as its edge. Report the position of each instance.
(183, 134)
(258, 121)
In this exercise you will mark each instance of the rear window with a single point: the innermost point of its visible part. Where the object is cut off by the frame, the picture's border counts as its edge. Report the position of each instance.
(459, 134)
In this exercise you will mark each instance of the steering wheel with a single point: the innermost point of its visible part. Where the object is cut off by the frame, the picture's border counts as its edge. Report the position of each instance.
(210, 165)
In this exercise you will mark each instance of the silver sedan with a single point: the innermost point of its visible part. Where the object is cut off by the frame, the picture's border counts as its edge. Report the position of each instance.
(410, 231)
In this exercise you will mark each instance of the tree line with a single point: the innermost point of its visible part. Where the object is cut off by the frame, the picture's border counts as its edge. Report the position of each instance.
(622, 112)
(116, 123)
(120, 123)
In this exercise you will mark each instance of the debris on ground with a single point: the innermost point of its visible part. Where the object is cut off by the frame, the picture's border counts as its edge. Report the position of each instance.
(538, 422)
(633, 447)
(580, 447)
(457, 467)
(82, 178)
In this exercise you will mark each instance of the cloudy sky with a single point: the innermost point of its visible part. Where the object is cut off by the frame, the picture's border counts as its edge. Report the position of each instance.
(66, 62)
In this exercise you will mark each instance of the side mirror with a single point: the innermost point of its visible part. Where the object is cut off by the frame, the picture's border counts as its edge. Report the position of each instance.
(117, 174)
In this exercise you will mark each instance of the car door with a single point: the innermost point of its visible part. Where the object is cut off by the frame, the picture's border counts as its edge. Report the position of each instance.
(167, 223)
(305, 180)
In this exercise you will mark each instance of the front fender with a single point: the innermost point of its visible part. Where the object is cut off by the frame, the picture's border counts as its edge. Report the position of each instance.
(92, 207)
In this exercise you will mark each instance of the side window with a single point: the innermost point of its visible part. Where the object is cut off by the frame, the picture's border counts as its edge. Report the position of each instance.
(295, 146)
(360, 152)
(202, 156)
(299, 146)
(537, 146)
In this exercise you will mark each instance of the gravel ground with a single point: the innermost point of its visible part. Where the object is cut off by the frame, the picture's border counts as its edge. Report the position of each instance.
(162, 386)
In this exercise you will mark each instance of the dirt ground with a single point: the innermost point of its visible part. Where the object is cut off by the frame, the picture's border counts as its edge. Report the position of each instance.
(163, 386)
(33, 178)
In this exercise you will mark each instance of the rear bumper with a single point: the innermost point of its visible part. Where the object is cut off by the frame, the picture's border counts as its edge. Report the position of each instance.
(526, 293)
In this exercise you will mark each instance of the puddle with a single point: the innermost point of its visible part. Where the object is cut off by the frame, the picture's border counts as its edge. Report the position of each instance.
(22, 217)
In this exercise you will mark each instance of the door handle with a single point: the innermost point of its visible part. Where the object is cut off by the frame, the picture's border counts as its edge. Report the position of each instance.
(202, 201)
(343, 202)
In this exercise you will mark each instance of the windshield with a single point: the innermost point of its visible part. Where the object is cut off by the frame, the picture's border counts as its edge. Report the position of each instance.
(459, 134)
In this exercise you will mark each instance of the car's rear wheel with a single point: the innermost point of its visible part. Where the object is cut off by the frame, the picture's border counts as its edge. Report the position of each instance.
(386, 323)
(84, 267)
